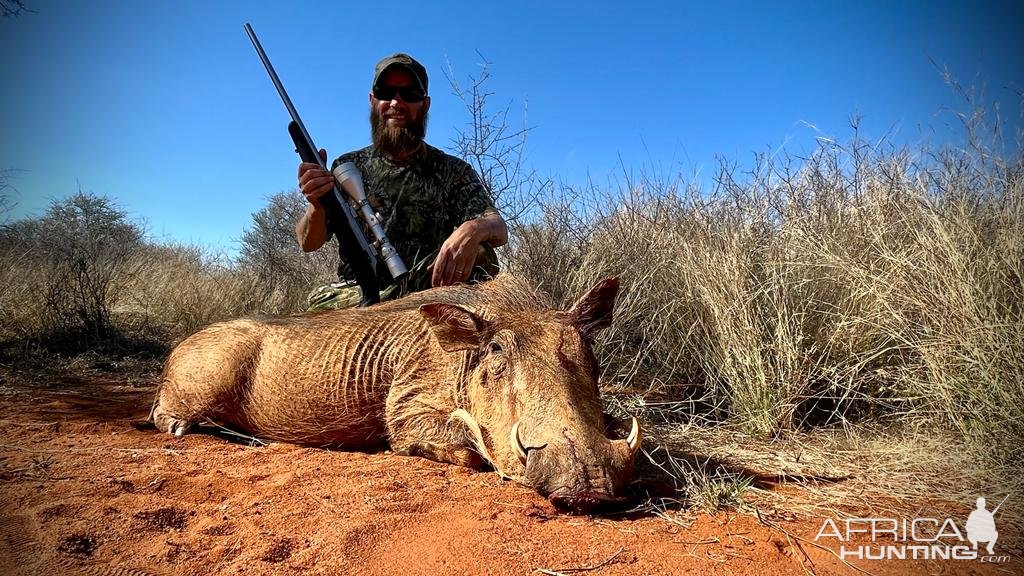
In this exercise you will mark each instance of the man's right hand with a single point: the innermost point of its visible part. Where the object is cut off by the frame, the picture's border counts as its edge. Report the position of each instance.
(314, 181)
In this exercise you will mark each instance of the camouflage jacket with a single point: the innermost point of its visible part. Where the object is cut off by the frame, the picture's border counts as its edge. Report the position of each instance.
(420, 203)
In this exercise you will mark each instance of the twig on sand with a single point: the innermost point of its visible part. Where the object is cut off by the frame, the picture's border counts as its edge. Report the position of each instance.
(805, 560)
(97, 450)
(793, 537)
(712, 540)
(253, 441)
(564, 571)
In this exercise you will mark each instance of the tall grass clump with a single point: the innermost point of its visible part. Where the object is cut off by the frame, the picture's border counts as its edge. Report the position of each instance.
(183, 289)
(862, 282)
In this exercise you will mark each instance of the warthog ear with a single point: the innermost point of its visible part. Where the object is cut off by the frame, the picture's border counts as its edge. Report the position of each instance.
(454, 327)
(593, 311)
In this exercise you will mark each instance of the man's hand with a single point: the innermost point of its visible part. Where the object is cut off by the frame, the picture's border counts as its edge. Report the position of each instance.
(457, 255)
(314, 180)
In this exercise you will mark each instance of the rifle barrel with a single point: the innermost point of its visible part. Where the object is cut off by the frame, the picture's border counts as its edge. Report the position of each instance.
(360, 256)
(280, 90)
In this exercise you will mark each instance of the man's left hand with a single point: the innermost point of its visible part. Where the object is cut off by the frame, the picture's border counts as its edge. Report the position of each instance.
(455, 259)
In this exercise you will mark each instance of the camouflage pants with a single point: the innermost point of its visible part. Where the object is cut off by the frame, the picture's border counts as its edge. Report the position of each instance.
(338, 296)
(335, 296)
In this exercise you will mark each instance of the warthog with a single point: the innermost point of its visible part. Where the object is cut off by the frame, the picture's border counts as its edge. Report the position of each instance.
(488, 374)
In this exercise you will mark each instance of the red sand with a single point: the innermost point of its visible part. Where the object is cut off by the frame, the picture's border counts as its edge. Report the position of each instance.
(83, 491)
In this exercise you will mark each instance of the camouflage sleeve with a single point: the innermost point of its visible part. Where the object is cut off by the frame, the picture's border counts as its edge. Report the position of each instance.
(346, 157)
(471, 197)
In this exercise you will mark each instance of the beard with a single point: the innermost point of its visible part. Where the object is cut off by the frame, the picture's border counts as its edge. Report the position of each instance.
(397, 140)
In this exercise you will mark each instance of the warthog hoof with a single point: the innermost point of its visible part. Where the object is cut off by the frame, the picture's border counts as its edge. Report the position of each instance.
(169, 424)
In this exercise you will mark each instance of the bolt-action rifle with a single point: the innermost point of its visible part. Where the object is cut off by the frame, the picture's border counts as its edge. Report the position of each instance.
(342, 213)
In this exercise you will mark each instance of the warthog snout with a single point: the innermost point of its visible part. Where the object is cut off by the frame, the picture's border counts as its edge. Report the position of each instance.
(579, 472)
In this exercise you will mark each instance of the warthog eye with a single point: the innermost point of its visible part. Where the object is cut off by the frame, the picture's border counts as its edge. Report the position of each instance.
(497, 362)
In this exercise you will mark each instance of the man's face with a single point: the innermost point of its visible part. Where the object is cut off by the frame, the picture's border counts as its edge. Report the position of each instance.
(398, 126)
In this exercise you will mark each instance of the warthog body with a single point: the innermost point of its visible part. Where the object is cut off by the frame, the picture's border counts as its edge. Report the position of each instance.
(468, 375)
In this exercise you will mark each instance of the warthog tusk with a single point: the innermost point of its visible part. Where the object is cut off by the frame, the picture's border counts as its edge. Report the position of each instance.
(636, 436)
(517, 444)
(477, 437)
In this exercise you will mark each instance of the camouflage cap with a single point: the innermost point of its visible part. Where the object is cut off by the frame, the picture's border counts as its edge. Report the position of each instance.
(404, 60)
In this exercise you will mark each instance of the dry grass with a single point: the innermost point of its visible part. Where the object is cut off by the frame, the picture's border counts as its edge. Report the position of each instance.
(851, 323)
(182, 290)
(859, 286)
(148, 290)
(869, 471)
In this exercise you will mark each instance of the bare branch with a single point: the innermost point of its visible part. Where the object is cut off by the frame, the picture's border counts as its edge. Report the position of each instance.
(14, 8)
(495, 148)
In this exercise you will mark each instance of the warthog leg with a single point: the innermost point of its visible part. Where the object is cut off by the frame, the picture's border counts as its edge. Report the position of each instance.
(437, 436)
(449, 454)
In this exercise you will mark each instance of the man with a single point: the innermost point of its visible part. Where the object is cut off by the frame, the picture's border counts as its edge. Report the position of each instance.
(981, 527)
(434, 208)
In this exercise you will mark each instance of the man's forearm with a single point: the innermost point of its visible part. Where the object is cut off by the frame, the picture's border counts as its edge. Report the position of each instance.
(311, 229)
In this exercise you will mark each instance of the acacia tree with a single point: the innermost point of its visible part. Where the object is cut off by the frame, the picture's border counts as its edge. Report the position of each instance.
(87, 239)
(82, 247)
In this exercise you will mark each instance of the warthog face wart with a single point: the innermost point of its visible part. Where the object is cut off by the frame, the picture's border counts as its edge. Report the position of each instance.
(468, 375)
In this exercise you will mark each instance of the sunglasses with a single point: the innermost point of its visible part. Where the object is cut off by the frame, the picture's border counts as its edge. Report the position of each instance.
(410, 94)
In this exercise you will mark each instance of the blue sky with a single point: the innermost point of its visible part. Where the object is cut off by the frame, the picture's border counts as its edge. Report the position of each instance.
(165, 107)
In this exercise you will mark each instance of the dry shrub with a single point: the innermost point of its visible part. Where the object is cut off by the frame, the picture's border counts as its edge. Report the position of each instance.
(65, 270)
(22, 311)
(279, 274)
(186, 288)
(82, 272)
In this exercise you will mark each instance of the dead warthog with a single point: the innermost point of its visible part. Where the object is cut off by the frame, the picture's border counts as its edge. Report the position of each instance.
(488, 374)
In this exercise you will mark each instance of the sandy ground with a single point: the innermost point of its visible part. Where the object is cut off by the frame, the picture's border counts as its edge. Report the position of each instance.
(84, 491)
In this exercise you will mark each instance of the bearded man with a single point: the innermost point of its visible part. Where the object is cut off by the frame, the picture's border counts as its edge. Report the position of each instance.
(434, 208)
